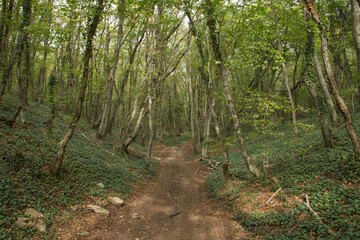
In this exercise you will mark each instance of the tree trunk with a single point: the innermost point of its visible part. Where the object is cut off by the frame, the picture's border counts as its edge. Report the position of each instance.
(323, 115)
(134, 133)
(151, 125)
(24, 64)
(79, 107)
(356, 31)
(325, 90)
(190, 85)
(286, 76)
(5, 63)
(335, 91)
(211, 23)
(123, 84)
(209, 104)
(52, 88)
(106, 120)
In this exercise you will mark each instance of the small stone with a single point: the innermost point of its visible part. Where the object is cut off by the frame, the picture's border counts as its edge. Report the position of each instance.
(99, 210)
(84, 233)
(32, 212)
(76, 208)
(135, 215)
(40, 225)
(22, 221)
(37, 223)
(100, 185)
(115, 201)
(98, 237)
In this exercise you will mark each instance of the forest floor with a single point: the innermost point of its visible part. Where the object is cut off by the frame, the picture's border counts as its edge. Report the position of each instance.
(175, 205)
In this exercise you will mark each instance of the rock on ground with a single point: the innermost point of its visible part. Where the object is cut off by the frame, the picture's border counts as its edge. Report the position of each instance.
(32, 212)
(115, 201)
(37, 223)
(99, 210)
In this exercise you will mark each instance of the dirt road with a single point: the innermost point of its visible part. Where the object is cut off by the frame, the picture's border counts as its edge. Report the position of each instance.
(174, 206)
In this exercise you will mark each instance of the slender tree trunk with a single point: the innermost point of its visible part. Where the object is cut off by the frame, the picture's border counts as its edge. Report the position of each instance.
(79, 107)
(286, 76)
(108, 89)
(106, 120)
(123, 84)
(52, 88)
(151, 125)
(190, 84)
(24, 64)
(325, 90)
(356, 32)
(211, 23)
(153, 71)
(5, 63)
(335, 91)
(197, 113)
(323, 115)
(134, 133)
(207, 118)
(209, 104)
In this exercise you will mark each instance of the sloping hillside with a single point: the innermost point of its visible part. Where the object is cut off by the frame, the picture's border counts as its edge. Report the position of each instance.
(309, 192)
(27, 152)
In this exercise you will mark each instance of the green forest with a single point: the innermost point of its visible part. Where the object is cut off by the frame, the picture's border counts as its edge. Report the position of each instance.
(252, 104)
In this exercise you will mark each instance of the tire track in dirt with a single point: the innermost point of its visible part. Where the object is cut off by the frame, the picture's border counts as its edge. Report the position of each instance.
(174, 206)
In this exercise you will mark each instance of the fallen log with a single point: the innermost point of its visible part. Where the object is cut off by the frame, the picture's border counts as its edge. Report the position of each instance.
(212, 163)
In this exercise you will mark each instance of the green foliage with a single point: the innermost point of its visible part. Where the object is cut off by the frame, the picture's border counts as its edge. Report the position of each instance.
(264, 112)
(27, 153)
(173, 140)
(330, 177)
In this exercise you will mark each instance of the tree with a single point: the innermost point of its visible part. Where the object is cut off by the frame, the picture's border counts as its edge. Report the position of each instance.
(91, 30)
(309, 6)
(221, 75)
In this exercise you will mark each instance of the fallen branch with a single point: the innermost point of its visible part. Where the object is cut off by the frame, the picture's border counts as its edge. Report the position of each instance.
(268, 201)
(307, 203)
(212, 163)
(233, 198)
(175, 214)
(82, 134)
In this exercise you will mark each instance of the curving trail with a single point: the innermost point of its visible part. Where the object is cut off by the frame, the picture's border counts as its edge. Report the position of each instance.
(175, 206)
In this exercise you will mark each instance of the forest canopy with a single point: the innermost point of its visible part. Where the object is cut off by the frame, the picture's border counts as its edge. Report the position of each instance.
(157, 68)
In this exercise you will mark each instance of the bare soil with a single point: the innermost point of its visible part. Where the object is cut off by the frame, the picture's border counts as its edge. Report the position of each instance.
(174, 206)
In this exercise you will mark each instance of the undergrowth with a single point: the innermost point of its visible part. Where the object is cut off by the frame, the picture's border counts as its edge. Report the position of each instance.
(301, 166)
(27, 152)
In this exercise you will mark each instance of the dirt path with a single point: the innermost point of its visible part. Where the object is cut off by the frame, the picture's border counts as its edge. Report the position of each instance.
(175, 206)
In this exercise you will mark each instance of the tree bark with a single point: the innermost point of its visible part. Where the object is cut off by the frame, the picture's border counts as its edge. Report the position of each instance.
(106, 119)
(286, 76)
(325, 90)
(211, 23)
(335, 91)
(5, 63)
(190, 85)
(134, 133)
(322, 111)
(209, 103)
(79, 107)
(24, 64)
(356, 31)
